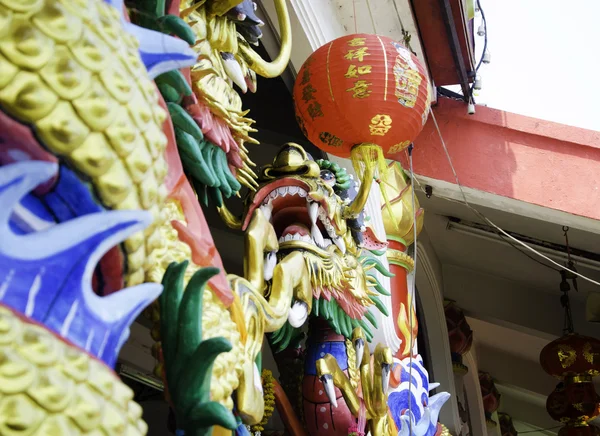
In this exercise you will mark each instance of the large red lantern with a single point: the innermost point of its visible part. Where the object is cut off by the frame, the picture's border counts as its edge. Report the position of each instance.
(572, 356)
(362, 96)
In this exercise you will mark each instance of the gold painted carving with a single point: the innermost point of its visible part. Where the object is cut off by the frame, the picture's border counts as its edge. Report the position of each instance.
(52, 388)
(588, 354)
(566, 355)
(380, 125)
(398, 147)
(400, 258)
(372, 378)
(399, 216)
(80, 84)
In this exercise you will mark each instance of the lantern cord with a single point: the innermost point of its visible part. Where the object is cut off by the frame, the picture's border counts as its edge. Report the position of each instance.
(372, 19)
(413, 285)
(354, 7)
(481, 216)
(568, 326)
(405, 33)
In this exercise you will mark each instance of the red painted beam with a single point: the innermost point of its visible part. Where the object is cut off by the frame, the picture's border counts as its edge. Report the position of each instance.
(436, 42)
(527, 159)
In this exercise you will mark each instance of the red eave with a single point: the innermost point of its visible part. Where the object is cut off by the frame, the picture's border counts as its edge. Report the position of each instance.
(436, 41)
(513, 156)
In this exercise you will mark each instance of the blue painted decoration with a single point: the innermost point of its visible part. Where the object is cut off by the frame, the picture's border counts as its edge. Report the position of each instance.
(159, 52)
(413, 411)
(46, 274)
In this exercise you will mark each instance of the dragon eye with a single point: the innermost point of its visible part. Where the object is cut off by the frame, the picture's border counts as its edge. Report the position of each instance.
(328, 177)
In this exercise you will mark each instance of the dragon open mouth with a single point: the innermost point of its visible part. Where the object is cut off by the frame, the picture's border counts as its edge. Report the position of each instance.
(299, 220)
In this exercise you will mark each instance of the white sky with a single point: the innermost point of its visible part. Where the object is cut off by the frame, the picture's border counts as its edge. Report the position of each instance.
(545, 59)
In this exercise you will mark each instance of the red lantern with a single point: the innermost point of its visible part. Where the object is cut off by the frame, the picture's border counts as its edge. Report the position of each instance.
(459, 334)
(574, 404)
(573, 356)
(586, 430)
(490, 396)
(362, 90)
(507, 427)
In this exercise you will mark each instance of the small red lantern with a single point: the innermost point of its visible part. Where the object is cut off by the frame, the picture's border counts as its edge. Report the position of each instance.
(490, 396)
(359, 91)
(587, 430)
(572, 356)
(507, 427)
(459, 334)
(573, 404)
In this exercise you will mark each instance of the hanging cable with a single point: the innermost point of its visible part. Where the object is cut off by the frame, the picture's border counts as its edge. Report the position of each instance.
(372, 19)
(354, 7)
(566, 304)
(485, 37)
(541, 429)
(412, 289)
(500, 235)
(492, 224)
(525, 253)
(485, 44)
(406, 36)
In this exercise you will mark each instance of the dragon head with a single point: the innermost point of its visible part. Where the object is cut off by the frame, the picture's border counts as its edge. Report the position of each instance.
(311, 205)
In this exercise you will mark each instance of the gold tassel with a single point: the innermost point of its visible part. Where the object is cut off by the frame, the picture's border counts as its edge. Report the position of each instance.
(368, 156)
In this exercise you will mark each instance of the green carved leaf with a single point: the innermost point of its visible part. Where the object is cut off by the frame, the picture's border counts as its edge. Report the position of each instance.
(188, 358)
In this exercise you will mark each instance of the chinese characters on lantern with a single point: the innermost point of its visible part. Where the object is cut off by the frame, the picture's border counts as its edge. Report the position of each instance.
(407, 77)
(398, 147)
(329, 139)
(380, 124)
(314, 107)
(358, 53)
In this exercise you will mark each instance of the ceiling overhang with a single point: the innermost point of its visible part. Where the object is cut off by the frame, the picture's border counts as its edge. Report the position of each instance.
(439, 32)
(446, 33)
(314, 23)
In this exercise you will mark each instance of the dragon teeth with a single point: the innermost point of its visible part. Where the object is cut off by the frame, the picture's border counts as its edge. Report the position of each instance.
(269, 266)
(267, 209)
(340, 244)
(327, 223)
(317, 236)
(313, 211)
(297, 237)
(284, 191)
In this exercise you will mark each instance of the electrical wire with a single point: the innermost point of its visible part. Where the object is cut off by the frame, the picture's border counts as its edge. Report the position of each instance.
(492, 224)
(485, 37)
(527, 254)
(508, 241)
(354, 7)
(541, 429)
(485, 44)
(371, 15)
(412, 289)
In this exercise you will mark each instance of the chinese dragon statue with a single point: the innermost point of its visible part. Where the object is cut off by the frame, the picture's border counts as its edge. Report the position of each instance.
(116, 121)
